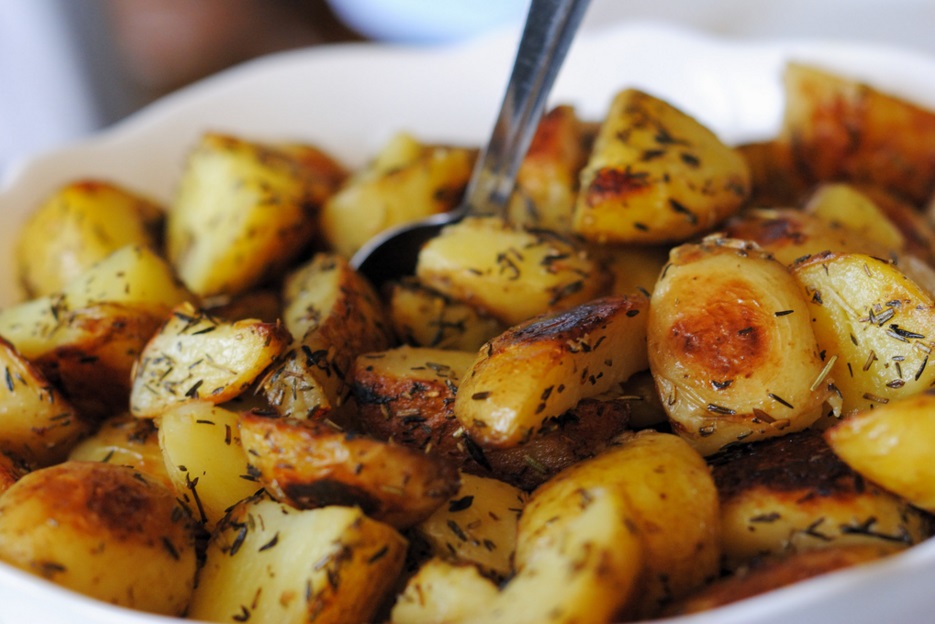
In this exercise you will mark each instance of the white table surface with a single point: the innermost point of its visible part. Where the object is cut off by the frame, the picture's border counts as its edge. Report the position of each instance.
(59, 85)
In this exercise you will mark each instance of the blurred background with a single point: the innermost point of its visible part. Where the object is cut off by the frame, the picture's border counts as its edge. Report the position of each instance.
(71, 67)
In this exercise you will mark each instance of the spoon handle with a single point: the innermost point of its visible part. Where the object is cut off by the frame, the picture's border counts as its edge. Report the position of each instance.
(547, 35)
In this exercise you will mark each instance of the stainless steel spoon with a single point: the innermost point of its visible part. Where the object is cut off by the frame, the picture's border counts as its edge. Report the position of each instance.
(547, 35)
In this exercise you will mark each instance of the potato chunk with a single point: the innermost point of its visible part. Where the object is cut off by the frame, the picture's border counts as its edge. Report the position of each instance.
(656, 175)
(541, 368)
(103, 530)
(126, 441)
(79, 224)
(269, 562)
(195, 356)
(509, 272)
(731, 346)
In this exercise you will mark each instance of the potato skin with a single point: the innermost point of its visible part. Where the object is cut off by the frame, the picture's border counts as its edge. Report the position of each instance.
(54, 521)
(126, 441)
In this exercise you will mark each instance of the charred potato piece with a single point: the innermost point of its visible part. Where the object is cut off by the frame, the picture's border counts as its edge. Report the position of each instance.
(656, 175)
(103, 530)
(406, 395)
(510, 272)
(891, 445)
(773, 572)
(874, 325)
(539, 369)
(195, 356)
(79, 224)
(794, 494)
(547, 180)
(12, 469)
(36, 422)
(477, 525)
(269, 562)
(423, 317)
(310, 464)
(242, 213)
(205, 459)
(842, 129)
(334, 315)
(731, 346)
(408, 180)
(125, 440)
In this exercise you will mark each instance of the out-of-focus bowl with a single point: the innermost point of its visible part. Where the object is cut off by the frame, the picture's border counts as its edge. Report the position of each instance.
(350, 99)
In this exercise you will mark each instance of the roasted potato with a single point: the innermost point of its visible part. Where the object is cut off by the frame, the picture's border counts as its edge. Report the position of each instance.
(873, 325)
(891, 445)
(793, 494)
(845, 205)
(103, 530)
(195, 356)
(79, 224)
(539, 369)
(269, 562)
(510, 272)
(243, 211)
(334, 315)
(126, 441)
(205, 459)
(406, 181)
(310, 464)
(731, 346)
(656, 175)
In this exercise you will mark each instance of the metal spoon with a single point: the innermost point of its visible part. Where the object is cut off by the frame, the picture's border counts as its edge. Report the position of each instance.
(547, 35)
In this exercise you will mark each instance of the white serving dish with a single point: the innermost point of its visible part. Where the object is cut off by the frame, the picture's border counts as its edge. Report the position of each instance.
(350, 99)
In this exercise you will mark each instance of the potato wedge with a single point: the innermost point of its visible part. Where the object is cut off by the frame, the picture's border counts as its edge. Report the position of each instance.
(242, 213)
(873, 324)
(656, 175)
(333, 314)
(195, 356)
(891, 445)
(205, 459)
(103, 530)
(794, 494)
(509, 272)
(477, 525)
(36, 422)
(406, 181)
(775, 177)
(635, 269)
(842, 129)
(846, 205)
(309, 464)
(79, 224)
(125, 440)
(269, 562)
(539, 369)
(731, 346)
(424, 317)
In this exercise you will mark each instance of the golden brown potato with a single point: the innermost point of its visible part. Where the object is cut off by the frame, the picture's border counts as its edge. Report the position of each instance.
(242, 213)
(424, 317)
(103, 530)
(775, 178)
(656, 175)
(263, 303)
(406, 181)
(79, 224)
(36, 422)
(334, 315)
(547, 180)
(842, 129)
(731, 346)
(477, 525)
(794, 494)
(510, 272)
(196, 357)
(205, 459)
(310, 464)
(126, 441)
(845, 205)
(539, 369)
(269, 562)
(12, 469)
(891, 445)
(634, 269)
(873, 324)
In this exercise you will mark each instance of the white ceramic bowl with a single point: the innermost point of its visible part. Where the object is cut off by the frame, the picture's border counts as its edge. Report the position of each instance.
(349, 99)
